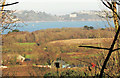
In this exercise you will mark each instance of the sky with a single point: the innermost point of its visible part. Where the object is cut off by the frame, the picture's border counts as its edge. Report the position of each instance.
(57, 7)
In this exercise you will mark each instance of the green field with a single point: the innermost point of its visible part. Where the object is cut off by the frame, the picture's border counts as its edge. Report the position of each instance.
(25, 43)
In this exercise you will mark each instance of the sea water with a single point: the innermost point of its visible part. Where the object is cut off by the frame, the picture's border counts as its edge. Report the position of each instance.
(30, 27)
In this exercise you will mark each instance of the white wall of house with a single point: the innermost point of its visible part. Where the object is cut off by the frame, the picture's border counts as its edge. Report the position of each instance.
(21, 58)
(73, 15)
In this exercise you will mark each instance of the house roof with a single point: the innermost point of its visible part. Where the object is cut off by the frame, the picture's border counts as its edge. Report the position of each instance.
(19, 57)
(60, 61)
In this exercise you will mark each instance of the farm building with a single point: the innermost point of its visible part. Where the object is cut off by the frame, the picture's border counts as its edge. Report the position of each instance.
(21, 58)
(24, 60)
(62, 64)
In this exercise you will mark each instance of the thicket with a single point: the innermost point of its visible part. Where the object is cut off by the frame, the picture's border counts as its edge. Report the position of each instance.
(43, 36)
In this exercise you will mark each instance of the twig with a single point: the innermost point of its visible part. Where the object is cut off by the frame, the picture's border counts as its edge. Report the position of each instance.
(9, 4)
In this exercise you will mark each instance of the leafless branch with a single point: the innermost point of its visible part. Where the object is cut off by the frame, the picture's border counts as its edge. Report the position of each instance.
(100, 48)
(9, 4)
(95, 47)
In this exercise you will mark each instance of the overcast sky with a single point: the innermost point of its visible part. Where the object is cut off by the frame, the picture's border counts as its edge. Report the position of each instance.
(56, 6)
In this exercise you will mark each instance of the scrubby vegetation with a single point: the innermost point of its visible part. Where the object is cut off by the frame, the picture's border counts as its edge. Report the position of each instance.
(59, 44)
(43, 36)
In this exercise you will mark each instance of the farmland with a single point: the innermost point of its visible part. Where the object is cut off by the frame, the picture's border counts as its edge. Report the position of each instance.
(56, 44)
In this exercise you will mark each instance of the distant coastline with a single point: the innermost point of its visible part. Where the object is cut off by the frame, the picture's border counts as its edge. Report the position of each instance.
(61, 21)
(36, 17)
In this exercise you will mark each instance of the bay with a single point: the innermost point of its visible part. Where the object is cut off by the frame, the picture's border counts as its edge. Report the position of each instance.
(30, 27)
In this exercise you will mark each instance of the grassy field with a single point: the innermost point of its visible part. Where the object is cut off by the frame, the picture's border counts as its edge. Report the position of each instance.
(25, 43)
(82, 41)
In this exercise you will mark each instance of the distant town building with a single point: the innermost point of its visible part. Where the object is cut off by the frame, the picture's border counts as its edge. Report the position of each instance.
(73, 15)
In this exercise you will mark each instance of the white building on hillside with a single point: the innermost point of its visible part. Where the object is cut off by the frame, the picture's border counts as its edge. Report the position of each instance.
(73, 15)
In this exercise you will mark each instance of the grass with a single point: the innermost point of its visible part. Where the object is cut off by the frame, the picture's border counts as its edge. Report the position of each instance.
(28, 49)
(92, 55)
(88, 55)
(89, 45)
(71, 53)
(26, 43)
(80, 41)
(75, 57)
(16, 66)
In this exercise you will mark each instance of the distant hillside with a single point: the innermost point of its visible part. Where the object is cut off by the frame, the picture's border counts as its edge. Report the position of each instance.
(76, 16)
(34, 16)
(85, 16)
(81, 17)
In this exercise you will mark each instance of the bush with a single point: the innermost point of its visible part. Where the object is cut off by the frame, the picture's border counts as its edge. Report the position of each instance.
(16, 30)
(50, 75)
(88, 28)
(102, 28)
(72, 73)
(91, 27)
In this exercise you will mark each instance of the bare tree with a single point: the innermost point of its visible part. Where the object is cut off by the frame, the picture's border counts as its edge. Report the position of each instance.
(112, 6)
(7, 19)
